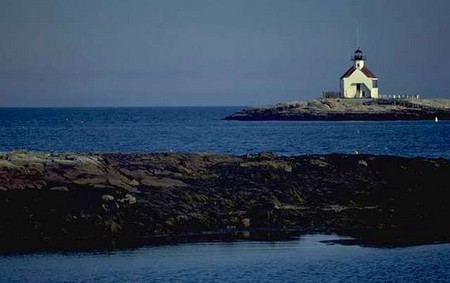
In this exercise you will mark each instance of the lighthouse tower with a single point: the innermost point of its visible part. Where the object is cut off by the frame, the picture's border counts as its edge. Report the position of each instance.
(359, 81)
(359, 59)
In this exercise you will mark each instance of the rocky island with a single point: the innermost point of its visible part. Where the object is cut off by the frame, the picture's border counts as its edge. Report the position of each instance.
(342, 109)
(59, 200)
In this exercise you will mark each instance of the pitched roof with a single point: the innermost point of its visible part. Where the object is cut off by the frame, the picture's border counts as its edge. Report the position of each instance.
(364, 69)
(368, 72)
(348, 73)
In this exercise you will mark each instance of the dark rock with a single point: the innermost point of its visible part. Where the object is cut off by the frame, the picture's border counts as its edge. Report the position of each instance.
(349, 109)
(188, 193)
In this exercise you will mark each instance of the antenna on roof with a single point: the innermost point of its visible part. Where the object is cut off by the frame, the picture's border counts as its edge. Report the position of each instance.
(357, 34)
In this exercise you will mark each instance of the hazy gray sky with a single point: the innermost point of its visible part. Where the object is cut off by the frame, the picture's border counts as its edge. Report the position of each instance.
(228, 52)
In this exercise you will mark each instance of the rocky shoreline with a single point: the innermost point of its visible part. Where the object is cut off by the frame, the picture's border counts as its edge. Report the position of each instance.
(63, 200)
(349, 110)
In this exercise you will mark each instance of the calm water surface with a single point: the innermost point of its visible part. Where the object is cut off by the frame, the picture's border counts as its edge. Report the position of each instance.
(304, 260)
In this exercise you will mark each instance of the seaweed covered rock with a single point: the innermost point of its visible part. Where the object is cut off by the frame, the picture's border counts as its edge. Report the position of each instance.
(65, 198)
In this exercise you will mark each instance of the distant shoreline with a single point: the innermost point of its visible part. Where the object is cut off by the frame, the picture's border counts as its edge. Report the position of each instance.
(331, 109)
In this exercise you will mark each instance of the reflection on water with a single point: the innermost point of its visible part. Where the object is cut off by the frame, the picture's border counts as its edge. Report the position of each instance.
(309, 258)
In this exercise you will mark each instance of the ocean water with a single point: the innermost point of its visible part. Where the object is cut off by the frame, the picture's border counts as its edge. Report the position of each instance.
(306, 259)
(193, 129)
(200, 129)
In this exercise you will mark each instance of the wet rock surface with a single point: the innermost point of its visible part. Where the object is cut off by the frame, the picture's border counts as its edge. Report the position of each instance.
(60, 199)
(349, 109)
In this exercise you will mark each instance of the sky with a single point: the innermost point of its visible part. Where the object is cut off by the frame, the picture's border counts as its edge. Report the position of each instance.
(72, 53)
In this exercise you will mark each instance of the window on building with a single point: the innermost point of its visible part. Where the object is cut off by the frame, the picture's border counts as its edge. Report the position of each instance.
(375, 83)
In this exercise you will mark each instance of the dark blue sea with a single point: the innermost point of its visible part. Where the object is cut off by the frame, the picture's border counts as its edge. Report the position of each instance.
(200, 129)
(193, 129)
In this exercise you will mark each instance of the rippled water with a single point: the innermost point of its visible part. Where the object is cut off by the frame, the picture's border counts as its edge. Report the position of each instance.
(200, 129)
(303, 260)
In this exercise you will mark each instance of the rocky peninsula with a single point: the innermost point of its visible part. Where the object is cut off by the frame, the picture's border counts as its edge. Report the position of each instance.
(62, 200)
(334, 109)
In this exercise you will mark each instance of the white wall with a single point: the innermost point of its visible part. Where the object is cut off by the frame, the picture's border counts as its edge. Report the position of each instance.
(349, 85)
(359, 64)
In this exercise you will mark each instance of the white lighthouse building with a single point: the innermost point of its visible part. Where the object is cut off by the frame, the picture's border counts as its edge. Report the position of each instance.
(359, 81)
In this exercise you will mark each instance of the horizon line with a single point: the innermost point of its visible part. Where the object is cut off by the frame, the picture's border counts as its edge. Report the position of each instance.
(132, 106)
